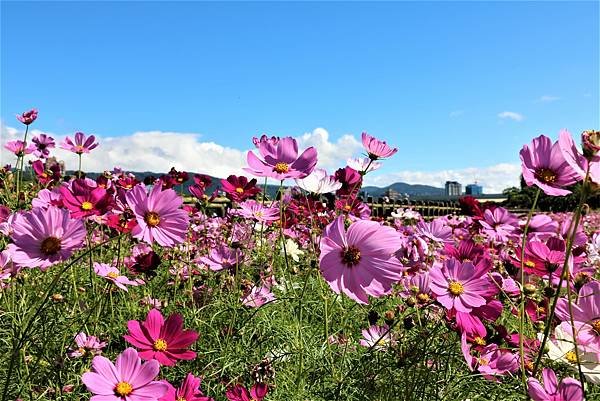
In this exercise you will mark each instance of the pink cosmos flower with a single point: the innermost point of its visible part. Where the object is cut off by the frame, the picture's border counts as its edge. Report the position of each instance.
(164, 341)
(18, 147)
(84, 198)
(266, 145)
(377, 149)
(577, 161)
(43, 237)
(586, 316)
(28, 117)
(252, 209)
(222, 257)
(568, 389)
(360, 261)
(46, 176)
(363, 165)
(240, 393)
(499, 224)
(378, 337)
(158, 215)
(492, 360)
(42, 143)
(47, 198)
(86, 345)
(239, 188)
(283, 161)
(81, 144)
(544, 165)
(127, 380)
(436, 231)
(189, 390)
(459, 286)
(113, 275)
(257, 297)
(319, 182)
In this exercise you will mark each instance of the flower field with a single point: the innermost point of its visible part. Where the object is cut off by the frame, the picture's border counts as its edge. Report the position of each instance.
(116, 289)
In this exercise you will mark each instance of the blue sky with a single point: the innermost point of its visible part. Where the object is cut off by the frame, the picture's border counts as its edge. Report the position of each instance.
(431, 78)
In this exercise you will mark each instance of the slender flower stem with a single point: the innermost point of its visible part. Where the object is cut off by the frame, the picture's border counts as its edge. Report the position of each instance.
(79, 170)
(19, 166)
(565, 271)
(522, 283)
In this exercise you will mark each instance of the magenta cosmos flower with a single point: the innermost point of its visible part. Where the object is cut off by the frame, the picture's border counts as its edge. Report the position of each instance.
(578, 162)
(84, 198)
(42, 143)
(158, 215)
(360, 261)
(43, 237)
(283, 161)
(113, 275)
(127, 380)
(544, 165)
(240, 393)
(239, 188)
(18, 147)
(28, 117)
(81, 144)
(568, 389)
(377, 149)
(586, 316)
(189, 390)
(459, 286)
(164, 341)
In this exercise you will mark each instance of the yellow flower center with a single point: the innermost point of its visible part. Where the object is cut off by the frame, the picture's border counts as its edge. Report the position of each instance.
(483, 361)
(351, 256)
(546, 175)
(50, 246)
(180, 399)
(596, 326)
(87, 206)
(239, 190)
(571, 357)
(281, 168)
(530, 264)
(423, 298)
(123, 389)
(160, 345)
(479, 341)
(112, 275)
(455, 288)
(347, 208)
(152, 219)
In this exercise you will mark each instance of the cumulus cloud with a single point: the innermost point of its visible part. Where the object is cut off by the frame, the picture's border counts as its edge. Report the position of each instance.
(547, 99)
(158, 151)
(493, 178)
(511, 115)
(331, 154)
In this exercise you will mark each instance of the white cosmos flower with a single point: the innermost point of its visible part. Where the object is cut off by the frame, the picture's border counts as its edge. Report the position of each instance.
(319, 182)
(293, 250)
(562, 349)
(360, 164)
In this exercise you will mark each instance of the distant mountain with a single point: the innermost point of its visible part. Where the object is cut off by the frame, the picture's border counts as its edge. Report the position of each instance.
(403, 188)
(400, 187)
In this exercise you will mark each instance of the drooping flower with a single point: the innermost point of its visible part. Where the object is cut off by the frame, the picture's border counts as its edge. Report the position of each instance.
(42, 143)
(319, 182)
(459, 286)
(83, 198)
(544, 165)
(378, 337)
(577, 161)
(240, 393)
(126, 380)
(43, 237)
(239, 188)
(86, 345)
(568, 389)
(189, 390)
(376, 149)
(113, 275)
(284, 162)
(257, 297)
(18, 147)
(81, 145)
(360, 261)
(162, 340)
(28, 117)
(158, 215)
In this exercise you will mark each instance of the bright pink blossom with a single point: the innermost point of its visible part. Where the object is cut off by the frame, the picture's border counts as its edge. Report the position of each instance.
(18, 147)
(189, 390)
(158, 215)
(163, 340)
(42, 143)
(127, 380)
(240, 393)
(568, 389)
(360, 261)
(377, 149)
(282, 163)
(28, 117)
(84, 198)
(81, 145)
(239, 188)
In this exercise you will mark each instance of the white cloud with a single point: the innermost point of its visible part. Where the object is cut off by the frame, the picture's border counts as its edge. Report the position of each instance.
(493, 178)
(547, 99)
(331, 154)
(511, 115)
(456, 113)
(158, 151)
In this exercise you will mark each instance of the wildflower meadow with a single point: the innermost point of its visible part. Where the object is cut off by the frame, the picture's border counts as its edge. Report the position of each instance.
(116, 288)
